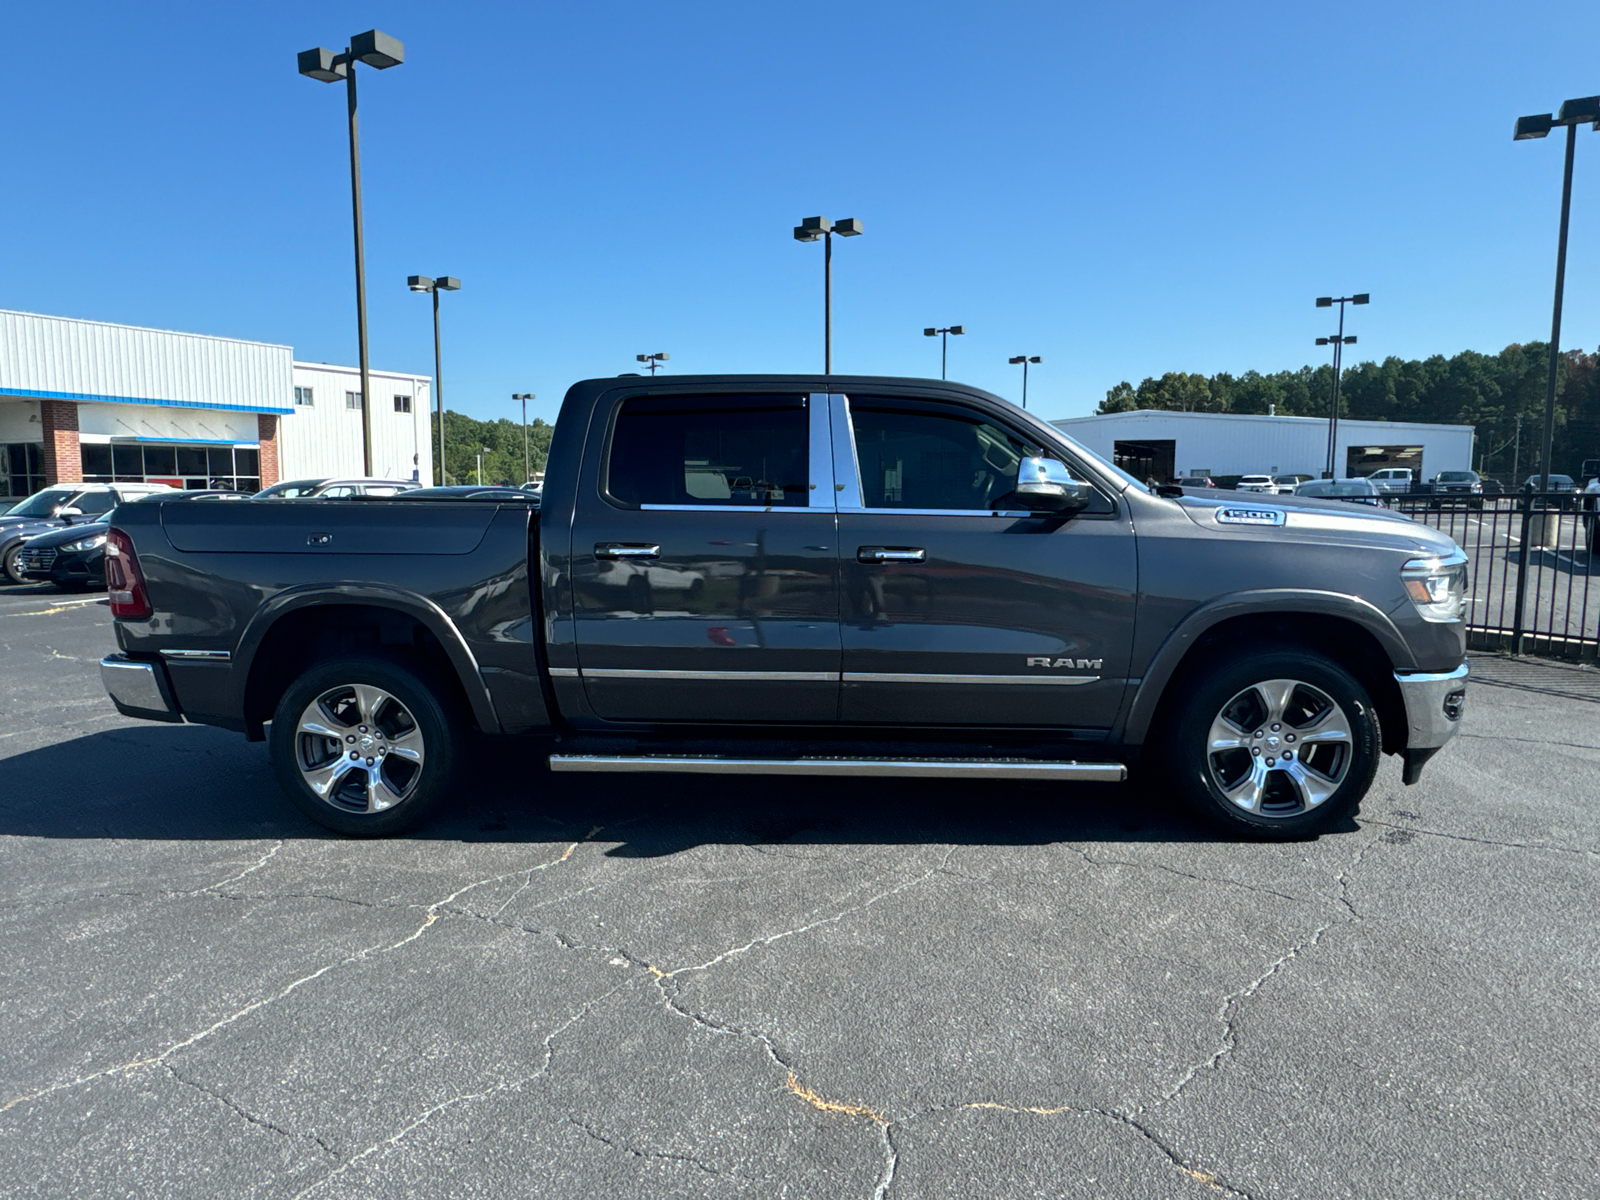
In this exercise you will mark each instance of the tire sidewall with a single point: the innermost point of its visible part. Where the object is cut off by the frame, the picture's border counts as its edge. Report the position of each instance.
(1226, 677)
(435, 719)
(9, 567)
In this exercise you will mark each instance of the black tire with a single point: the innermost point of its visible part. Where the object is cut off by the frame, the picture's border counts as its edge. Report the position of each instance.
(1224, 691)
(13, 573)
(419, 717)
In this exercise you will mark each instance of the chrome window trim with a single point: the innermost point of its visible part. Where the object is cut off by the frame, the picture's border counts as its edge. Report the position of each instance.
(760, 508)
(819, 422)
(1012, 513)
(846, 468)
(897, 677)
(712, 676)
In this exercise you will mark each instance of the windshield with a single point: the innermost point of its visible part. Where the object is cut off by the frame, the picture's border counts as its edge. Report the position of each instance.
(1456, 476)
(40, 503)
(1112, 468)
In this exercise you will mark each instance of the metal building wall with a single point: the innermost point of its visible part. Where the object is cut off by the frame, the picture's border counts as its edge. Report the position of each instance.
(1228, 444)
(96, 361)
(324, 438)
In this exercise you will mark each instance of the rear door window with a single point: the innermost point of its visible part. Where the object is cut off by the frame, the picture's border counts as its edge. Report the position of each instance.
(93, 504)
(711, 451)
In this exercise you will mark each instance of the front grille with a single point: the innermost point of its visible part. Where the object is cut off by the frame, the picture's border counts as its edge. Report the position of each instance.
(36, 560)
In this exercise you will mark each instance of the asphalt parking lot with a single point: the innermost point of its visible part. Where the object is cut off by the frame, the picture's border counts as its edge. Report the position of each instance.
(626, 987)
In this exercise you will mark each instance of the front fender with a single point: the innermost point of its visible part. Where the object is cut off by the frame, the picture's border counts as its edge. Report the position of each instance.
(372, 595)
(1265, 602)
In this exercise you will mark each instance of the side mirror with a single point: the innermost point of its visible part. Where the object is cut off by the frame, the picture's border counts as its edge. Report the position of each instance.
(66, 512)
(1044, 486)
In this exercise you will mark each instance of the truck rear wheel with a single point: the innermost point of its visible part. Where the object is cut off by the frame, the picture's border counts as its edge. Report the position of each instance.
(1279, 744)
(364, 746)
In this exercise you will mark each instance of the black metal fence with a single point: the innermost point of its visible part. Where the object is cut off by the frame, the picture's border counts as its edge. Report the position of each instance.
(1533, 574)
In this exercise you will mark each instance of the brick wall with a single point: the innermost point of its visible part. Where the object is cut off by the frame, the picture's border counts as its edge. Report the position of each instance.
(267, 434)
(63, 462)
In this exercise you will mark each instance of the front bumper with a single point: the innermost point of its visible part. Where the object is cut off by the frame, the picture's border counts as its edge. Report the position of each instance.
(139, 689)
(1434, 702)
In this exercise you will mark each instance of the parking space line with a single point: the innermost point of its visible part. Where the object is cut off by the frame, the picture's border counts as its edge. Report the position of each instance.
(62, 607)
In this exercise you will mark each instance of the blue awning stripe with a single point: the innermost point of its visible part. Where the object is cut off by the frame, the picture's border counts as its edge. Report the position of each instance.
(86, 397)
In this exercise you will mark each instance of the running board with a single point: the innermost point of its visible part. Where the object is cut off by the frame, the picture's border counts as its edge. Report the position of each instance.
(899, 768)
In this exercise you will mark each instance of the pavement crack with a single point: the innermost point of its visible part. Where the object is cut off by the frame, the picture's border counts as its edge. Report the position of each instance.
(253, 867)
(252, 1118)
(383, 1147)
(1461, 837)
(431, 915)
(1088, 856)
(634, 1152)
(1233, 1003)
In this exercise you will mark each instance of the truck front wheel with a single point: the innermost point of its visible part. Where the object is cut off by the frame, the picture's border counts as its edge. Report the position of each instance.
(1277, 744)
(364, 746)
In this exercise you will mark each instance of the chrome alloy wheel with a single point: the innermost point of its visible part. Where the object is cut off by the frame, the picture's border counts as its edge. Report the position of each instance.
(359, 748)
(1279, 748)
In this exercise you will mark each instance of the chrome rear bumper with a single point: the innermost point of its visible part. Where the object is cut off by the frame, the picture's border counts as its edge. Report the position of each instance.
(138, 689)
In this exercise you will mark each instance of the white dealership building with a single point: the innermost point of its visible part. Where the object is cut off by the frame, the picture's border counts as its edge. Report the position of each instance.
(1167, 445)
(88, 400)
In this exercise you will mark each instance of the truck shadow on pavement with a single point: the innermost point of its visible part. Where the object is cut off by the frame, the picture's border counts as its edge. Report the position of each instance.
(162, 782)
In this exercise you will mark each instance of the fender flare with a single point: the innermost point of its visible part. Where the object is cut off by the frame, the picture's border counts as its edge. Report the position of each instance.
(370, 595)
(1265, 602)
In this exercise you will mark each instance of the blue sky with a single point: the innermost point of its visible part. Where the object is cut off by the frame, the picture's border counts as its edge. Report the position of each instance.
(1122, 189)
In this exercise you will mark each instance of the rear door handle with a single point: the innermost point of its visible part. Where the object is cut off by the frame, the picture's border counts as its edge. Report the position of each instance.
(890, 554)
(614, 551)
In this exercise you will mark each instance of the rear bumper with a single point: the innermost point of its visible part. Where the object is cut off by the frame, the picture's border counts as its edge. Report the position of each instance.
(139, 689)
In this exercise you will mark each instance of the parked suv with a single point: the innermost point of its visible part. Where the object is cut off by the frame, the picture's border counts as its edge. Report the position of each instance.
(1259, 483)
(59, 505)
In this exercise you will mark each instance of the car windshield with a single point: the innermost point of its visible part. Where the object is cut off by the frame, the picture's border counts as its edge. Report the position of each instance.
(1080, 448)
(40, 504)
(1456, 476)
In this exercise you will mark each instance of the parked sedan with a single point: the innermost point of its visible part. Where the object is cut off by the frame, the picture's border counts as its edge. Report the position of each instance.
(1351, 491)
(62, 505)
(74, 558)
(335, 489)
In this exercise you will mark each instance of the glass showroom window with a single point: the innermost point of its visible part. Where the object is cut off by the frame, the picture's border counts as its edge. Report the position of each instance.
(402, 404)
(304, 397)
(21, 469)
(178, 465)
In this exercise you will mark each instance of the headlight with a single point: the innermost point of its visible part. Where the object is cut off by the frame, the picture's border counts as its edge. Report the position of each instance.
(88, 543)
(1437, 585)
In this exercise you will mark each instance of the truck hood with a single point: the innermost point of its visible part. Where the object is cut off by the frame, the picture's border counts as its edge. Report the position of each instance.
(1301, 516)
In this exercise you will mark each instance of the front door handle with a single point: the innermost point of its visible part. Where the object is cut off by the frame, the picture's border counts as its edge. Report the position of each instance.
(890, 554)
(614, 551)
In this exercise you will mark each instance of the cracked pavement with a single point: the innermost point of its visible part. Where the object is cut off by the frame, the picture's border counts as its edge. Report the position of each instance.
(578, 986)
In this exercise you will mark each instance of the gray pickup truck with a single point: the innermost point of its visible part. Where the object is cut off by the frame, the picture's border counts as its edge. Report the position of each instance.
(803, 575)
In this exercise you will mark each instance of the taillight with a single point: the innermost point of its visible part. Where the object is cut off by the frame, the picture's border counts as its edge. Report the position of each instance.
(124, 579)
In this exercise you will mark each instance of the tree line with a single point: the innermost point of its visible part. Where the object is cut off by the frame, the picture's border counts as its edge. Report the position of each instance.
(1487, 391)
(465, 437)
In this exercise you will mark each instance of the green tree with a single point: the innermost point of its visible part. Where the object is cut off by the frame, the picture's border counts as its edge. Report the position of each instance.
(465, 437)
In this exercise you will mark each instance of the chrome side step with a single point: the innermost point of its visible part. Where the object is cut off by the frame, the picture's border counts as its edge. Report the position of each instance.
(900, 768)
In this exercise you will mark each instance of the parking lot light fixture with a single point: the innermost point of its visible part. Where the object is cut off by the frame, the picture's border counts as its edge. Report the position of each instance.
(944, 341)
(1024, 360)
(379, 50)
(655, 360)
(444, 283)
(1337, 341)
(527, 460)
(813, 229)
(1584, 111)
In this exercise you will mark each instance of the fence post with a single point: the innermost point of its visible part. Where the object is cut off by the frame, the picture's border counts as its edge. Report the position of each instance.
(1522, 575)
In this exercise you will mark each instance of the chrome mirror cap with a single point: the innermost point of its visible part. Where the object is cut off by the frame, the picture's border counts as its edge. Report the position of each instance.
(1044, 485)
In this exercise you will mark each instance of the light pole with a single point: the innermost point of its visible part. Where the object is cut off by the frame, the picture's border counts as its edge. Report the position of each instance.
(655, 360)
(1024, 360)
(1573, 113)
(381, 51)
(445, 283)
(527, 460)
(944, 342)
(1338, 341)
(482, 450)
(812, 229)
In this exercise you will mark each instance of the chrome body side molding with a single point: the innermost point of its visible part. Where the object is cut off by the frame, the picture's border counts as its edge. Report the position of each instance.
(900, 768)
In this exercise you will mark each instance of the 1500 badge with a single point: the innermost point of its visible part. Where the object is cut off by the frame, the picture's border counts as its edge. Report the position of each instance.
(1082, 664)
